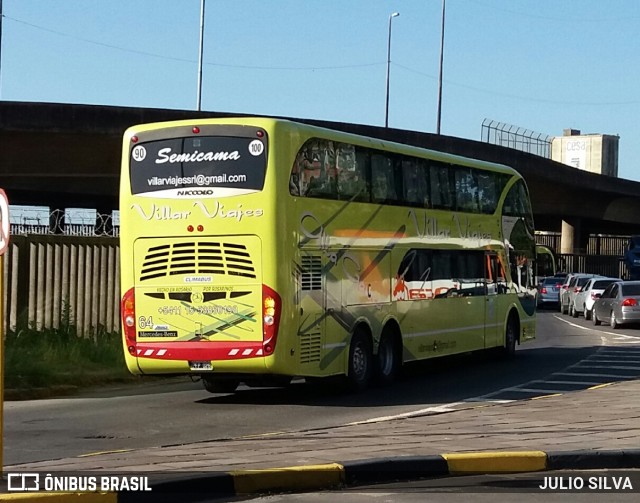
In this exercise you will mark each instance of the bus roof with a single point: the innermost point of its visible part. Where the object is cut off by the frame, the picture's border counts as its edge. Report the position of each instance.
(332, 134)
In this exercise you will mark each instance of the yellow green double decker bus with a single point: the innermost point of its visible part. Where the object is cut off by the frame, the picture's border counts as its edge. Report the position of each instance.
(256, 250)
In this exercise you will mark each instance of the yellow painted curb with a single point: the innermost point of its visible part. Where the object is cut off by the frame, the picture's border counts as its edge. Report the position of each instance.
(60, 497)
(496, 462)
(289, 478)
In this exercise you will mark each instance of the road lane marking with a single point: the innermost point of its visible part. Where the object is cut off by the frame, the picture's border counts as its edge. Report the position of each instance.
(615, 367)
(592, 361)
(582, 374)
(572, 382)
(615, 334)
(438, 409)
(100, 453)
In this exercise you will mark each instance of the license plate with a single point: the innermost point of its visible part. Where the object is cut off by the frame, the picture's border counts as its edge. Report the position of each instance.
(206, 365)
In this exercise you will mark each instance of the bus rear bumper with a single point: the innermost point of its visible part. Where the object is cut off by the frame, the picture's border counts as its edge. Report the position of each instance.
(199, 357)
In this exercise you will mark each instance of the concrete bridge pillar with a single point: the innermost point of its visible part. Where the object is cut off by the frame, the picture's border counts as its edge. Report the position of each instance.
(572, 239)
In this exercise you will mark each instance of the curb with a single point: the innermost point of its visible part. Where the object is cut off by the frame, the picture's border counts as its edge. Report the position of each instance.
(349, 474)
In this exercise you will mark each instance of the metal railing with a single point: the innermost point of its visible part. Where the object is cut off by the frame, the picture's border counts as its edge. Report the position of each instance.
(603, 254)
(71, 222)
(516, 137)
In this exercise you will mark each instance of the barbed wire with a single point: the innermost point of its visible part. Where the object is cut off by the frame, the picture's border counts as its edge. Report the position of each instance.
(88, 223)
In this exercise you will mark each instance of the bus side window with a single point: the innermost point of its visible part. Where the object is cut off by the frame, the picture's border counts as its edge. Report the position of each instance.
(352, 181)
(301, 171)
(323, 184)
(415, 190)
(487, 192)
(383, 189)
(495, 275)
(442, 187)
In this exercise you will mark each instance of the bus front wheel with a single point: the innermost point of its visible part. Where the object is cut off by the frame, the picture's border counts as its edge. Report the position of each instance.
(360, 362)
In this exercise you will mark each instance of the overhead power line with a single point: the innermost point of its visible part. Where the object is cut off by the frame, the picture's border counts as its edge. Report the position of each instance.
(317, 68)
(187, 60)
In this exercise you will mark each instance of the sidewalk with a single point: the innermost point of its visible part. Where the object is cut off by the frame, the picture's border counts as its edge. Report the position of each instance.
(594, 428)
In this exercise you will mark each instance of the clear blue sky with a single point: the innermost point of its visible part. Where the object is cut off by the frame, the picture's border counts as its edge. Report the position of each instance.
(543, 65)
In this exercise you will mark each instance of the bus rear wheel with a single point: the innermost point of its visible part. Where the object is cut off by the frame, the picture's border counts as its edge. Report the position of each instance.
(219, 385)
(388, 360)
(360, 362)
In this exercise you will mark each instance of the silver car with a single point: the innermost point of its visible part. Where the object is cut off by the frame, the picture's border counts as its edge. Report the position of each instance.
(575, 285)
(584, 299)
(549, 292)
(619, 304)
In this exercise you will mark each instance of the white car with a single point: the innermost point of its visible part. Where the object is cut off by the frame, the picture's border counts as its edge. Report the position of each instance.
(571, 289)
(584, 299)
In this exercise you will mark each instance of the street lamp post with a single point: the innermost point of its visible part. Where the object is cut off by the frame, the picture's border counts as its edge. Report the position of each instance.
(200, 55)
(386, 110)
(440, 72)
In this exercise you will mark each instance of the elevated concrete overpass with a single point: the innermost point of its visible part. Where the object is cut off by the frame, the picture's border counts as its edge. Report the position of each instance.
(63, 155)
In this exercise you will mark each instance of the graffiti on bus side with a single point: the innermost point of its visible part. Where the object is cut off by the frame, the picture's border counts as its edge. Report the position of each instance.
(317, 236)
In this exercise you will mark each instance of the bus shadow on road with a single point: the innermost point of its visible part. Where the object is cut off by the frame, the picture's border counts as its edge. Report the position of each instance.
(531, 373)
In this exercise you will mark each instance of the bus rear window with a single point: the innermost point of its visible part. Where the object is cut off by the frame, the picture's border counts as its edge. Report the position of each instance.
(203, 162)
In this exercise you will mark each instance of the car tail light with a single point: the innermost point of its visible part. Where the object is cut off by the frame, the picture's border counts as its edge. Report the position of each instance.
(559, 285)
(629, 302)
(594, 296)
(576, 289)
(544, 290)
(271, 309)
(128, 310)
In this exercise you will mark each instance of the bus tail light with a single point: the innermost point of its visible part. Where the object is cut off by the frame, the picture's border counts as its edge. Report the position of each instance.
(271, 309)
(128, 310)
(629, 302)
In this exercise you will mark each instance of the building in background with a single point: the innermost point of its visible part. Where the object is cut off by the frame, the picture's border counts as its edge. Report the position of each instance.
(596, 153)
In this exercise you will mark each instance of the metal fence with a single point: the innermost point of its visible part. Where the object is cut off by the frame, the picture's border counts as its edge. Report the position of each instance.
(516, 137)
(598, 244)
(605, 265)
(603, 254)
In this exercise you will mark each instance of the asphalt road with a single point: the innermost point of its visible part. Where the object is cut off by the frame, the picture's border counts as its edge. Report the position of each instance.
(180, 411)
